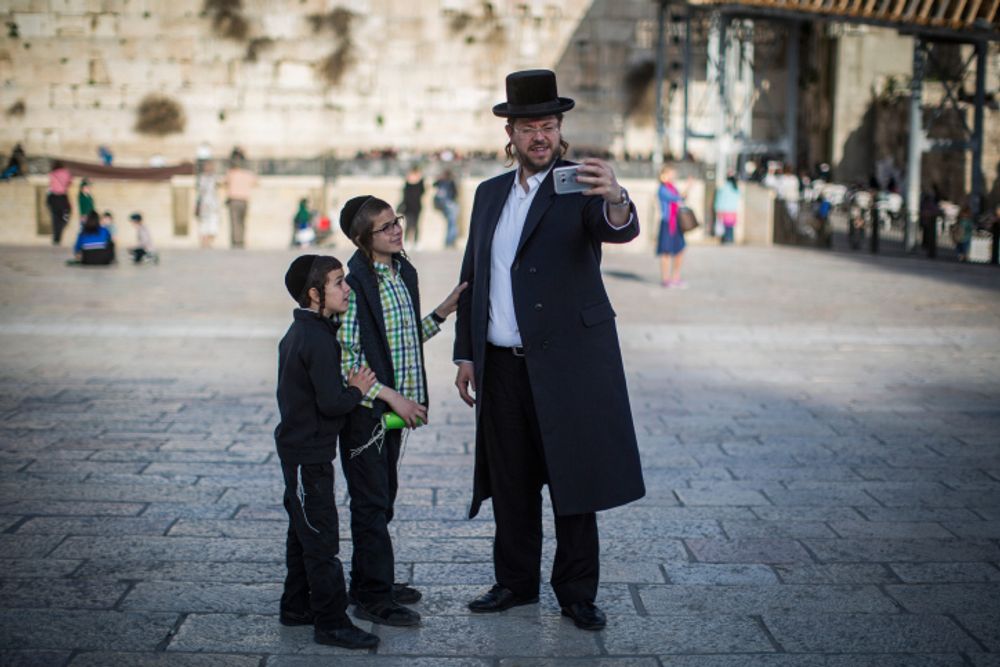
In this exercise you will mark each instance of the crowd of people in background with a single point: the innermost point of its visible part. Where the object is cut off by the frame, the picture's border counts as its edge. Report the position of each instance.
(806, 197)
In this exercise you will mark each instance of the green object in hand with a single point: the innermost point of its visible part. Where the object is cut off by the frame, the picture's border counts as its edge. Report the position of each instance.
(391, 421)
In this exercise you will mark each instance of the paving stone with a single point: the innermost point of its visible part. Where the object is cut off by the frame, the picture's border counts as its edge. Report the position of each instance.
(723, 575)
(814, 660)
(132, 547)
(941, 573)
(884, 550)
(205, 571)
(203, 597)
(721, 497)
(947, 598)
(182, 510)
(33, 658)
(60, 593)
(687, 634)
(941, 514)
(807, 513)
(172, 659)
(834, 573)
(747, 551)
(94, 526)
(739, 530)
(974, 529)
(583, 662)
(28, 546)
(375, 661)
(57, 507)
(892, 530)
(868, 633)
(677, 600)
(78, 629)
(274, 530)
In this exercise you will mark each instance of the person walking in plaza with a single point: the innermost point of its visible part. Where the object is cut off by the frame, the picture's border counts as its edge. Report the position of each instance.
(446, 201)
(381, 328)
(538, 356)
(85, 200)
(58, 199)
(413, 196)
(240, 183)
(313, 402)
(670, 240)
(727, 206)
(207, 206)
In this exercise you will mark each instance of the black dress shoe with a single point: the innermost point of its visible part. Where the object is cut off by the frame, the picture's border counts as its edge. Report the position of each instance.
(497, 599)
(401, 593)
(296, 617)
(349, 636)
(586, 615)
(387, 613)
(404, 594)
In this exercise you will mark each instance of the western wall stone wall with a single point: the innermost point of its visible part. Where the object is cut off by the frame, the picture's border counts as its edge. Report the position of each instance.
(304, 77)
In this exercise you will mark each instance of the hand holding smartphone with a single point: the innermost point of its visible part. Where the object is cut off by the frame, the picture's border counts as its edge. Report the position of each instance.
(566, 180)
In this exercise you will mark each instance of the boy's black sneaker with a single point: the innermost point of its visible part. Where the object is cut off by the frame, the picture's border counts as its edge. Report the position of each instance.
(296, 617)
(349, 636)
(388, 613)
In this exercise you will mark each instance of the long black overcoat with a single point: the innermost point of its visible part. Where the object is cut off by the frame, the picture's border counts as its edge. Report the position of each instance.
(567, 328)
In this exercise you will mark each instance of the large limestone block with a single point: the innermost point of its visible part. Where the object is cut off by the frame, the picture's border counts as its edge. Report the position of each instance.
(34, 25)
(295, 74)
(75, 6)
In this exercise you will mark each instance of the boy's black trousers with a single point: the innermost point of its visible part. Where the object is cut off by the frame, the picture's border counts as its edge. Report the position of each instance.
(517, 469)
(315, 579)
(372, 484)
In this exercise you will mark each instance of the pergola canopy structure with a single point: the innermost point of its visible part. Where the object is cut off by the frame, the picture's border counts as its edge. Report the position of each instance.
(973, 22)
(966, 19)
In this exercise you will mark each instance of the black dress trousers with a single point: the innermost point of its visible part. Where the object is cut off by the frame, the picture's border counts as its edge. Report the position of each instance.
(517, 471)
(372, 484)
(315, 578)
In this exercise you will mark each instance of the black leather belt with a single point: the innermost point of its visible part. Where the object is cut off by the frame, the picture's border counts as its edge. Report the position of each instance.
(516, 350)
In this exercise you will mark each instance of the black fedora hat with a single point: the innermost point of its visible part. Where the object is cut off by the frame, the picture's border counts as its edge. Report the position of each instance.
(532, 94)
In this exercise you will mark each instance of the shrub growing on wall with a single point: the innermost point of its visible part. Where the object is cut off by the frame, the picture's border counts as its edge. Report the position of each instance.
(227, 17)
(339, 21)
(159, 115)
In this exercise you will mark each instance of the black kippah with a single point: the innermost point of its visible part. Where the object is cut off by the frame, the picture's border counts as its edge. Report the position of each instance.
(297, 274)
(350, 211)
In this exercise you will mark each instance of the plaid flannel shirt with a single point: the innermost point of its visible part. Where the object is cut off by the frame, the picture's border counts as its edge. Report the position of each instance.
(401, 332)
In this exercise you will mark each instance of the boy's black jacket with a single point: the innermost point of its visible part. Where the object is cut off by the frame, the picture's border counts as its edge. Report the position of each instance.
(312, 398)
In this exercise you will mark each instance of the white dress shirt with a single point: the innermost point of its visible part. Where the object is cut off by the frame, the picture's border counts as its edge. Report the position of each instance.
(503, 330)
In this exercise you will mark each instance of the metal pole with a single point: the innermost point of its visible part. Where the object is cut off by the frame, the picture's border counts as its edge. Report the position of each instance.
(792, 96)
(660, 20)
(916, 147)
(722, 134)
(687, 78)
(978, 184)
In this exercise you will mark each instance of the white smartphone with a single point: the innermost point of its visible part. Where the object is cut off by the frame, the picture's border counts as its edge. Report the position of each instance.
(566, 182)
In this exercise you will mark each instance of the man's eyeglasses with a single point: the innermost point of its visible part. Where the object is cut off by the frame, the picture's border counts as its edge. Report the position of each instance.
(389, 226)
(529, 132)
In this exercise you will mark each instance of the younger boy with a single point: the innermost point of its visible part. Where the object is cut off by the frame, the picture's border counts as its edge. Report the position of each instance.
(314, 401)
(143, 252)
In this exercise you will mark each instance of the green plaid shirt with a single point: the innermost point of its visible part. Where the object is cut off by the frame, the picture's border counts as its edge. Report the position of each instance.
(401, 332)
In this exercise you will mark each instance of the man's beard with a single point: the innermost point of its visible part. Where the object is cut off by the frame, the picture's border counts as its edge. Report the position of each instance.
(525, 160)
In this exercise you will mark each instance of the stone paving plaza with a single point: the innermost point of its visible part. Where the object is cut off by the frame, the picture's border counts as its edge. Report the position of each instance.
(820, 436)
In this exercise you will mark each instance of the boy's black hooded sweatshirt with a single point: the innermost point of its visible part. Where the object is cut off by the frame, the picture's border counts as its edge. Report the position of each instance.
(312, 398)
